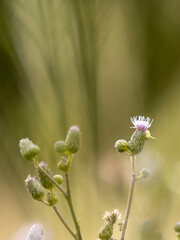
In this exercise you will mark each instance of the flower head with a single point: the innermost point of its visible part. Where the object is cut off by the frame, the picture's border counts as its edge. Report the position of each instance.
(112, 216)
(141, 123)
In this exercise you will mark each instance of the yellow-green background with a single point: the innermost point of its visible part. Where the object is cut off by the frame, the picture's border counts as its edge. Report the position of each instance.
(94, 63)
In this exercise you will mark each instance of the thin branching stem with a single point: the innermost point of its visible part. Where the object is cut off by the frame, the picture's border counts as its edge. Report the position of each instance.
(64, 222)
(131, 191)
(69, 200)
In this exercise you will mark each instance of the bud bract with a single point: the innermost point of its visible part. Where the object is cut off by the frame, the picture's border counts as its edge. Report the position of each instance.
(136, 144)
(73, 139)
(34, 188)
(177, 227)
(35, 233)
(52, 198)
(28, 149)
(60, 147)
(148, 135)
(63, 164)
(121, 145)
(44, 179)
(58, 179)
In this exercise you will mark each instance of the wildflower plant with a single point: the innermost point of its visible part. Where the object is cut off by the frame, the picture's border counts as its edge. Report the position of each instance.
(43, 189)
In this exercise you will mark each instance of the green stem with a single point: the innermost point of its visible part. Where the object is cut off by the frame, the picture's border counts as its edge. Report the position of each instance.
(52, 179)
(46, 203)
(69, 200)
(64, 222)
(131, 191)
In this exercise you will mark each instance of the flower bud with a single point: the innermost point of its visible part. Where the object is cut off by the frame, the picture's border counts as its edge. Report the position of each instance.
(60, 147)
(136, 144)
(177, 227)
(52, 198)
(106, 231)
(35, 233)
(178, 235)
(145, 173)
(28, 149)
(121, 145)
(63, 164)
(34, 188)
(58, 179)
(45, 181)
(73, 139)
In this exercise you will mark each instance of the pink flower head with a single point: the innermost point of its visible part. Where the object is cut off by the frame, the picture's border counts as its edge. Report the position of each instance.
(141, 123)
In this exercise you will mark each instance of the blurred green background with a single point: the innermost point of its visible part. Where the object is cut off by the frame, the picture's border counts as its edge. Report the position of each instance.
(93, 63)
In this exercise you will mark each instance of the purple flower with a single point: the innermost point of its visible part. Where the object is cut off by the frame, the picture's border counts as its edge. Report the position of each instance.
(141, 123)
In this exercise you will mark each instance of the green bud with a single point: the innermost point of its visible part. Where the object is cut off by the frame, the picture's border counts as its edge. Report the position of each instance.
(178, 235)
(60, 147)
(34, 188)
(28, 149)
(121, 145)
(58, 179)
(73, 139)
(136, 144)
(177, 227)
(106, 231)
(63, 164)
(145, 173)
(45, 181)
(52, 198)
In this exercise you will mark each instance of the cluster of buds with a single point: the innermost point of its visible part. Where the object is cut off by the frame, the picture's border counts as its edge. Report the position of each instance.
(30, 151)
(141, 134)
(68, 147)
(72, 142)
(110, 218)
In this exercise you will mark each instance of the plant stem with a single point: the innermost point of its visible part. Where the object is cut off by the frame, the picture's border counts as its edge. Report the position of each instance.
(69, 200)
(64, 222)
(52, 179)
(131, 191)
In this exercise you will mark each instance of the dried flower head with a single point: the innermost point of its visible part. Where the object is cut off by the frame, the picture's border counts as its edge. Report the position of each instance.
(141, 123)
(112, 216)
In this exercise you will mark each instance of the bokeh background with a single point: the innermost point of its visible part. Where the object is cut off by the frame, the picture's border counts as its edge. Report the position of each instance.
(92, 63)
